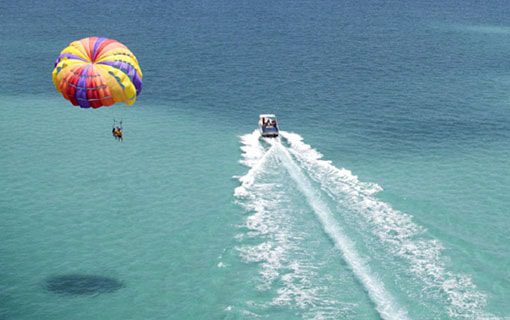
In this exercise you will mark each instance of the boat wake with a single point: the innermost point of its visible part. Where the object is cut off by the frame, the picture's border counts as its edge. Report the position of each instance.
(344, 206)
(271, 237)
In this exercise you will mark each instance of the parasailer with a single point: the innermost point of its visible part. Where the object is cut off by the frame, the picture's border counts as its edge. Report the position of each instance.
(117, 130)
(97, 71)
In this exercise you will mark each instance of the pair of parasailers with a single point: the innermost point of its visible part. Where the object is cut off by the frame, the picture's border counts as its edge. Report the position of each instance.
(117, 130)
(117, 133)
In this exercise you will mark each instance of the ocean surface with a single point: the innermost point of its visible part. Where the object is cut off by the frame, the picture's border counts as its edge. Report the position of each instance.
(387, 195)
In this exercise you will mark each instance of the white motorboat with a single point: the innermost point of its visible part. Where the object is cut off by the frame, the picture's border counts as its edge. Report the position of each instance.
(268, 125)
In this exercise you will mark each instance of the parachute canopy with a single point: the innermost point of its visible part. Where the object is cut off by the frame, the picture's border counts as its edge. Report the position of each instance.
(96, 71)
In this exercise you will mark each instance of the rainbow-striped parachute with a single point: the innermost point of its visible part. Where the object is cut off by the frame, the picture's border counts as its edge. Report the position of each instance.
(95, 72)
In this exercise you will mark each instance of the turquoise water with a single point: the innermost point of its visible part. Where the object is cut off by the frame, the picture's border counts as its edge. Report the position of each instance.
(404, 216)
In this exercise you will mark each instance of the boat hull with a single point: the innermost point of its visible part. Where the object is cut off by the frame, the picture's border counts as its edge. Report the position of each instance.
(268, 132)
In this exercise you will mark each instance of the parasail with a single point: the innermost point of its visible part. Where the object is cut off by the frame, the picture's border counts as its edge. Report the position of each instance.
(96, 71)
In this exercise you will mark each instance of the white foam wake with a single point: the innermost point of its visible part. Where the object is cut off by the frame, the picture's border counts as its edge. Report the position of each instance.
(254, 157)
(271, 239)
(400, 235)
(385, 303)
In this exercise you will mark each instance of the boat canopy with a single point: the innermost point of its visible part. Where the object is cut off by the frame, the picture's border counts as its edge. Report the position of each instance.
(268, 116)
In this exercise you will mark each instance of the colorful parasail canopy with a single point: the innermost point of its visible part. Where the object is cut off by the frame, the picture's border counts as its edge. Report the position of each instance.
(95, 72)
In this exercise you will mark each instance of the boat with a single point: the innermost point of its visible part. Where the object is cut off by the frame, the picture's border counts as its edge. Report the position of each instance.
(268, 125)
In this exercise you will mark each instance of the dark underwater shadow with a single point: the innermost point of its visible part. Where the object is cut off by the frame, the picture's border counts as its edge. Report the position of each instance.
(81, 284)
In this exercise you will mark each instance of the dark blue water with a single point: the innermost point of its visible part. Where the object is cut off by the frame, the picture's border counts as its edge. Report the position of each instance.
(413, 97)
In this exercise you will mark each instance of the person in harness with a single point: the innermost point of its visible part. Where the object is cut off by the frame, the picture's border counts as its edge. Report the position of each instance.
(117, 130)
